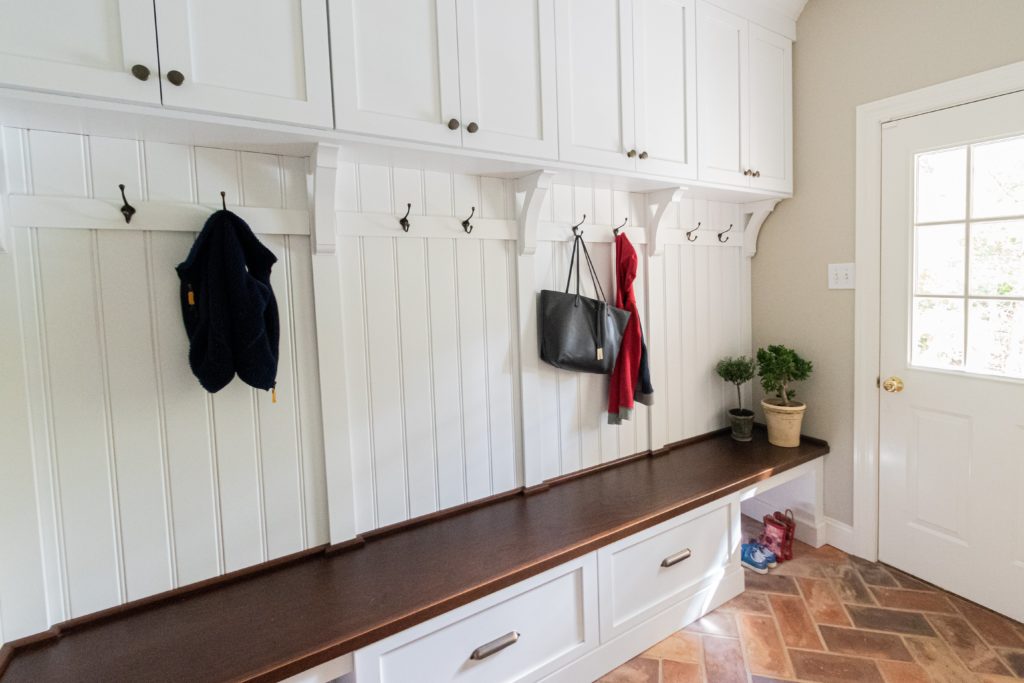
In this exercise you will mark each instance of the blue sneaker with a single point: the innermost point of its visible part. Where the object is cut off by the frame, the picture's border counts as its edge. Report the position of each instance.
(769, 556)
(753, 559)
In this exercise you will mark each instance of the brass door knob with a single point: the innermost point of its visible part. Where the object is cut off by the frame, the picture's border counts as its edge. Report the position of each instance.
(631, 153)
(643, 155)
(472, 127)
(175, 77)
(893, 385)
(453, 124)
(141, 72)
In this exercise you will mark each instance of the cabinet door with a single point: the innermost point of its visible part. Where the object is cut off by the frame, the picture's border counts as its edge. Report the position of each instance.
(85, 47)
(396, 69)
(665, 85)
(507, 76)
(721, 96)
(271, 63)
(594, 39)
(771, 110)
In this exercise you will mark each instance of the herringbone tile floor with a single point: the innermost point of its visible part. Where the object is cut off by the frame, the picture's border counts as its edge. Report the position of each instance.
(831, 618)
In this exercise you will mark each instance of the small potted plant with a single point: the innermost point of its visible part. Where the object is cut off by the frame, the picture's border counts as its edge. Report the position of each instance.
(778, 368)
(738, 371)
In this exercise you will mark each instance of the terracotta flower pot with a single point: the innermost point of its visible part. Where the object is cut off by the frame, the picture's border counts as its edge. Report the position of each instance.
(783, 421)
(742, 423)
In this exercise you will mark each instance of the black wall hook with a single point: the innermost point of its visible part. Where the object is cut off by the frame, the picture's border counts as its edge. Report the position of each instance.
(575, 228)
(404, 220)
(223, 200)
(722, 233)
(466, 225)
(690, 232)
(127, 210)
(617, 230)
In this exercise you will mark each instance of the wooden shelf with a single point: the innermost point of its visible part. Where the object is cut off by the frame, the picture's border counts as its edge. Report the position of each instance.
(270, 624)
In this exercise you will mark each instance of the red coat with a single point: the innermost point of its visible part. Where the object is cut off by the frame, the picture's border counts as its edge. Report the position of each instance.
(630, 381)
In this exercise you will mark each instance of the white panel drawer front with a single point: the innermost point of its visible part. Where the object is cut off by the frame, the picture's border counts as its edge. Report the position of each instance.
(518, 634)
(650, 570)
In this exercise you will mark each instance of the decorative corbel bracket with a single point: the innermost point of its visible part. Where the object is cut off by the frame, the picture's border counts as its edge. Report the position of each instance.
(534, 188)
(324, 169)
(755, 214)
(656, 203)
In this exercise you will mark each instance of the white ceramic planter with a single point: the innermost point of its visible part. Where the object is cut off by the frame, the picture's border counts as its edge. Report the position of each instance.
(783, 421)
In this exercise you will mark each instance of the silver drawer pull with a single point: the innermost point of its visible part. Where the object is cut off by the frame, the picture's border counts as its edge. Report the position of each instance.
(675, 559)
(495, 646)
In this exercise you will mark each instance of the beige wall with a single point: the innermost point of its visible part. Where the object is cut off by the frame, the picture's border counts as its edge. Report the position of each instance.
(849, 52)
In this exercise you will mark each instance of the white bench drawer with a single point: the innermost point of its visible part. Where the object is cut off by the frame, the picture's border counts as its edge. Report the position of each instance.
(648, 571)
(553, 616)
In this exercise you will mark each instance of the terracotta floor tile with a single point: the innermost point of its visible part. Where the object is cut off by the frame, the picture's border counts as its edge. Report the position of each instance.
(795, 623)
(870, 644)
(747, 602)
(896, 621)
(768, 679)
(873, 573)
(967, 645)
(822, 601)
(902, 672)
(938, 660)
(770, 583)
(828, 668)
(907, 581)
(1014, 659)
(919, 601)
(680, 672)
(851, 587)
(762, 645)
(637, 670)
(679, 647)
(718, 623)
(996, 629)
(723, 660)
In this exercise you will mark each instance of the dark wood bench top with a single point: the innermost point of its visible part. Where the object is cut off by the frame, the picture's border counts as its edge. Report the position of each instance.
(272, 624)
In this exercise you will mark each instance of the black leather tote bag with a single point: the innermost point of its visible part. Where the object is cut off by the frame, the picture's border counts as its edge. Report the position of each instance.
(576, 332)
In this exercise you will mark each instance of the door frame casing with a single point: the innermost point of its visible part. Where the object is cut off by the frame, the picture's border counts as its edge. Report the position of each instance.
(871, 118)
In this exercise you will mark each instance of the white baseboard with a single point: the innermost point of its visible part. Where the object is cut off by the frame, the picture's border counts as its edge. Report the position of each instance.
(807, 529)
(839, 535)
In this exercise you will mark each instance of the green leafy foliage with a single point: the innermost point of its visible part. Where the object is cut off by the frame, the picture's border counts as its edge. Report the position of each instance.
(738, 371)
(780, 366)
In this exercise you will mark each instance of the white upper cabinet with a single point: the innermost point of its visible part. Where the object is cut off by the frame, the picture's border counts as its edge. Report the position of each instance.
(472, 73)
(665, 71)
(85, 47)
(771, 110)
(396, 68)
(225, 56)
(744, 100)
(507, 76)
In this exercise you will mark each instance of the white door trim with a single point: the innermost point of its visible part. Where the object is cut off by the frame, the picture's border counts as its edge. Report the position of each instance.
(870, 119)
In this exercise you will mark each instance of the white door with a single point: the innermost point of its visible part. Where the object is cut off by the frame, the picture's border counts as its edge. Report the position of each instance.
(722, 107)
(507, 76)
(951, 509)
(396, 69)
(85, 47)
(770, 156)
(595, 82)
(226, 57)
(665, 75)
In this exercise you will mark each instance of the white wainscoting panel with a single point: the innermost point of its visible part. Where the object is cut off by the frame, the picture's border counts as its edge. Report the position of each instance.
(142, 480)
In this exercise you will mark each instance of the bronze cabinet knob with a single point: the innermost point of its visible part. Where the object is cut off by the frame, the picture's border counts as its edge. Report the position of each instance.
(757, 174)
(746, 171)
(643, 155)
(631, 153)
(175, 77)
(141, 72)
(472, 127)
(453, 124)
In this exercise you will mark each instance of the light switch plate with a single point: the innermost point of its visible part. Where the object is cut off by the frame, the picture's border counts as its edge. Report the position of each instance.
(841, 275)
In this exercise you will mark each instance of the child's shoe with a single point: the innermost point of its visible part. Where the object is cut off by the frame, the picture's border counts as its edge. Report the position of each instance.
(753, 559)
(769, 556)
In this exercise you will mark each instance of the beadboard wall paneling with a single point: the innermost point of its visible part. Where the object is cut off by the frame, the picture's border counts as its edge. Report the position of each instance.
(142, 480)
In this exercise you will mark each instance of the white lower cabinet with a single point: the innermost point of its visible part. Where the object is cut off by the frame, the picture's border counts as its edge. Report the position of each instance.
(520, 633)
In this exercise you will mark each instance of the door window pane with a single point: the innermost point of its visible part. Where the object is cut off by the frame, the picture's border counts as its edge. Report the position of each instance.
(996, 338)
(938, 333)
(942, 186)
(997, 259)
(997, 175)
(940, 259)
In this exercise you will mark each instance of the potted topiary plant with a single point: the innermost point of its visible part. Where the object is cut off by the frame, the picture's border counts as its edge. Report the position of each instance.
(738, 371)
(778, 368)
